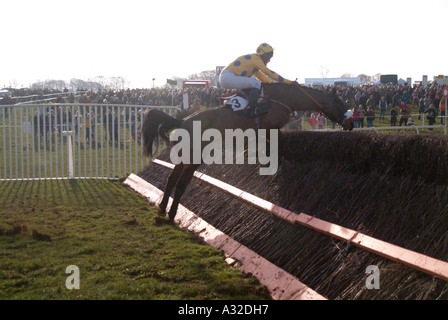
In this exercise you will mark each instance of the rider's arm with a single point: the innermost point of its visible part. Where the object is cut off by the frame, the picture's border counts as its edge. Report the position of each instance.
(271, 74)
(260, 76)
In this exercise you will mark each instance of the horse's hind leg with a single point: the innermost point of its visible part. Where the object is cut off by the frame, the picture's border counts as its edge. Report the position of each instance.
(171, 183)
(181, 187)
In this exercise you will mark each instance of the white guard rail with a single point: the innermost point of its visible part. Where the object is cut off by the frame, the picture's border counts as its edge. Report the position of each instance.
(56, 141)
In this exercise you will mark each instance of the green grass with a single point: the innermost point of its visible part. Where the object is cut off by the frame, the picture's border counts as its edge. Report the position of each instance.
(122, 250)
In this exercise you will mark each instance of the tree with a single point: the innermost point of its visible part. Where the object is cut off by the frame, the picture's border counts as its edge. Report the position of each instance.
(50, 84)
(365, 79)
(205, 75)
(324, 72)
(376, 77)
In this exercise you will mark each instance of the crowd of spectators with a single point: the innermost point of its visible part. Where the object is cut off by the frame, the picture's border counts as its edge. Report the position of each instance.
(392, 102)
(369, 101)
(366, 95)
(388, 102)
(208, 97)
(394, 95)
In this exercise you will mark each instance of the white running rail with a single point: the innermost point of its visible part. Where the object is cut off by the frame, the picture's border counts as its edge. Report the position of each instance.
(58, 141)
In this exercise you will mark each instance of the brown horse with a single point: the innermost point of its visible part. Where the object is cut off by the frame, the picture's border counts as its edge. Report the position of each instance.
(284, 100)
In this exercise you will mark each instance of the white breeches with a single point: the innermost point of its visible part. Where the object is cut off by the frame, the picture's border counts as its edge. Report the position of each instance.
(228, 80)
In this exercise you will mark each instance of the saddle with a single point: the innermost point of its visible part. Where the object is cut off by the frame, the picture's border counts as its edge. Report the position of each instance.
(239, 103)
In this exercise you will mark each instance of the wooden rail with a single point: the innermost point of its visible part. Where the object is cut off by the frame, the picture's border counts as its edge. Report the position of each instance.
(423, 263)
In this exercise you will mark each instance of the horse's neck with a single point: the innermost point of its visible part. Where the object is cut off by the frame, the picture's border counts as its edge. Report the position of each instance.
(296, 98)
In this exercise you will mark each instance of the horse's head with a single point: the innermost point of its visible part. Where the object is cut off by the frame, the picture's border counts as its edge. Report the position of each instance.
(336, 111)
(348, 124)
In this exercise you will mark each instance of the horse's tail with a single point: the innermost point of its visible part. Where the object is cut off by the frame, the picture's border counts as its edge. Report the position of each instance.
(157, 123)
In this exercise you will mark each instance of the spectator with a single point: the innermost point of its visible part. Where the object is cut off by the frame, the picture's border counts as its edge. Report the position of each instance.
(382, 106)
(405, 97)
(404, 114)
(362, 115)
(415, 99)
(436, 103)
(355, 118)
(313, 121)
(370, 103)
(7, 100)
(196, 106)
(402, 105)
(431, 111)
(442, 109)
(71, 98)
(348, 104)
(363, 101)
(421, 107)
(393, 116)
(357, 97)
(370, 117)
(427, 102)
(320, 120)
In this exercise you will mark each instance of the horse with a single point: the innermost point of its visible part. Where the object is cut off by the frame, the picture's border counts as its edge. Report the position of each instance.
(283, 98)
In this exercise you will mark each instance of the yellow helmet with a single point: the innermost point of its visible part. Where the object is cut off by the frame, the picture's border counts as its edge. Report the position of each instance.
(264, 48)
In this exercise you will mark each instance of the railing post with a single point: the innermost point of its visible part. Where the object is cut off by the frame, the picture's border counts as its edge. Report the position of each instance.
(70, 155)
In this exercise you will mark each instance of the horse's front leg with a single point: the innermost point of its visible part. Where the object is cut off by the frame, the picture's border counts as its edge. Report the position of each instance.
(171, 183)
(181, 187)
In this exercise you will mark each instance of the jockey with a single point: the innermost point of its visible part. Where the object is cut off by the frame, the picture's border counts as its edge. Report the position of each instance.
(248, 72)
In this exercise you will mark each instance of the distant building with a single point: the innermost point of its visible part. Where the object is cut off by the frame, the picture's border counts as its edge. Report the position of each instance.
(196, 84)
(331, 81)
(441, 80)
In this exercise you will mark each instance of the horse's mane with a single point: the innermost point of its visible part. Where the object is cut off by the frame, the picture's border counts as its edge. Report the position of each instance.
(309, 89)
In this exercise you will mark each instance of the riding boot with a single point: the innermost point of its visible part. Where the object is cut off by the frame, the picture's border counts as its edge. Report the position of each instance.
(254, 94)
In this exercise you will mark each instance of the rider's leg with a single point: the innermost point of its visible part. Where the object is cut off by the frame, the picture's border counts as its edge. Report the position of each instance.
(254, 95)
(228, 80)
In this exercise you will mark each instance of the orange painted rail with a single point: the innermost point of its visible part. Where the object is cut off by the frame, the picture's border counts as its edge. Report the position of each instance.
(423, 263)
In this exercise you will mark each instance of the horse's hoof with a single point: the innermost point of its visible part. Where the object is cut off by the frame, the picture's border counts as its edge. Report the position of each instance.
(171, 216)
(161, 221)
(161, 212)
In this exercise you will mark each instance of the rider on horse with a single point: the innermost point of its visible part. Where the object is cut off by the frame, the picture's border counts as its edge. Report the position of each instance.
(248, 72)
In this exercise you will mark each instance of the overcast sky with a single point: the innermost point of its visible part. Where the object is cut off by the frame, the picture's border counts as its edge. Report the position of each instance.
(141, 40)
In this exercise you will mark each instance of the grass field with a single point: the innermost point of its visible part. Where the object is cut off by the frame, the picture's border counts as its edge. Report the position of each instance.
(122, 250)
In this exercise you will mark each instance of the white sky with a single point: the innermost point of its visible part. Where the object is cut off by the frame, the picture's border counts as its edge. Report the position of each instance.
(141, 39)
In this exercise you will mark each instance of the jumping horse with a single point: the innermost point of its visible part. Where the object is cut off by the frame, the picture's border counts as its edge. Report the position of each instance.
(284, 99)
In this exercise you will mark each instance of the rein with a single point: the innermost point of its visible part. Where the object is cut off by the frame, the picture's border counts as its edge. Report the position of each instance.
(309, 96)
(280, 103)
